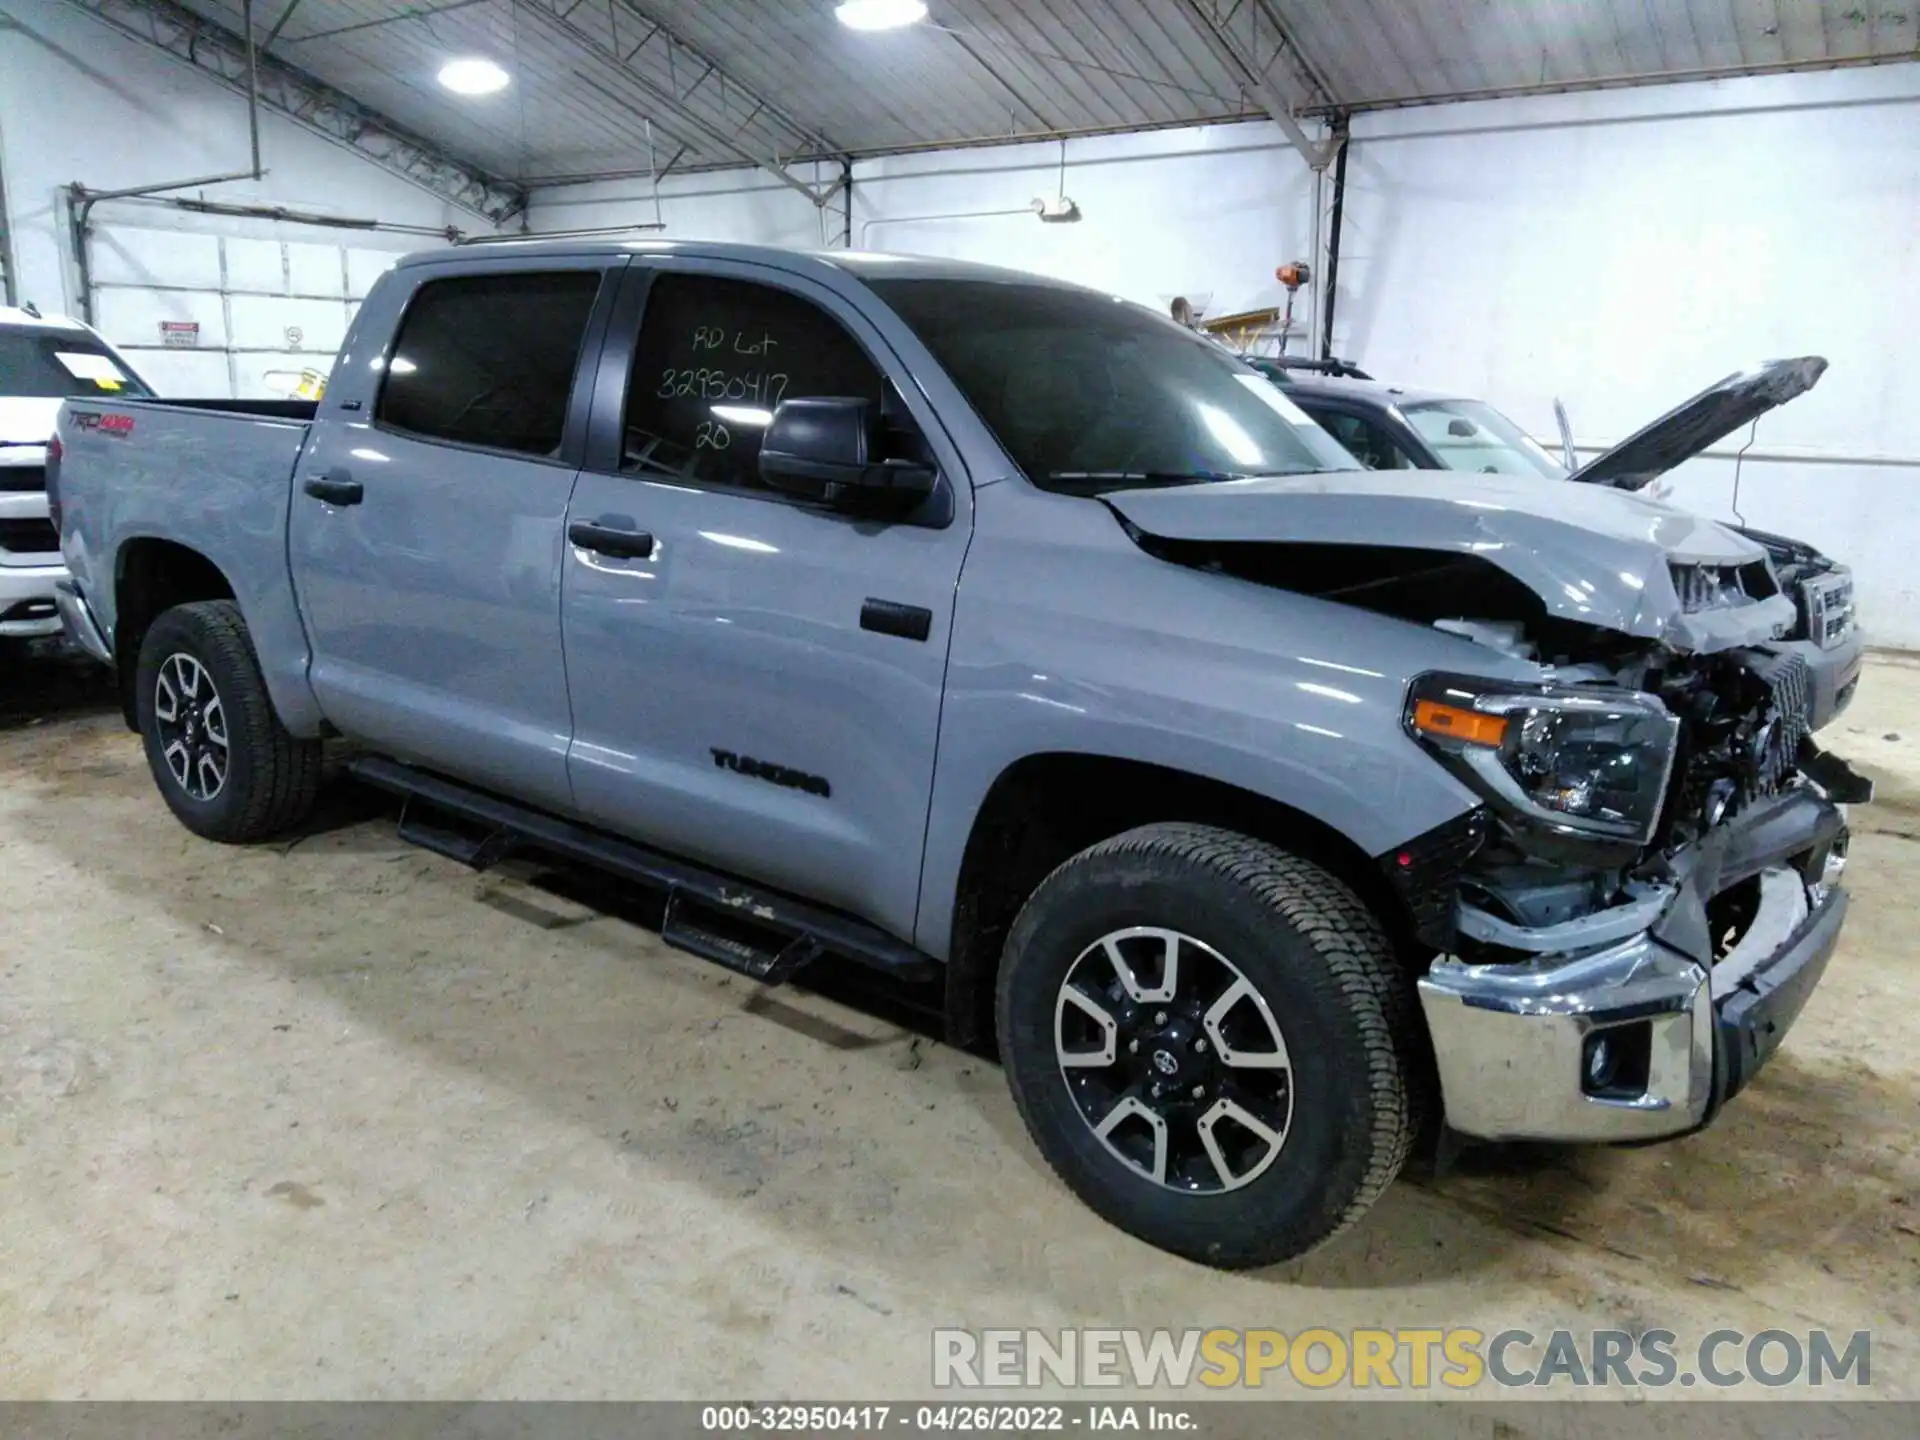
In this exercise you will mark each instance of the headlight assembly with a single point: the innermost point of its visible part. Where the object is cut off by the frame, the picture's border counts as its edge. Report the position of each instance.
(1579, 763)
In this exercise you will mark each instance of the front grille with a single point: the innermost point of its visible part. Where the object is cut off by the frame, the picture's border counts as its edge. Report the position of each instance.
(1777, 744)
(1721, 587)
(14, 479)
(29, 537)
(1827, 602)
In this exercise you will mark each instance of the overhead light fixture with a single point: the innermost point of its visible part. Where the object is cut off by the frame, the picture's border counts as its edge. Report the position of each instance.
(880, 14)
(473, 77)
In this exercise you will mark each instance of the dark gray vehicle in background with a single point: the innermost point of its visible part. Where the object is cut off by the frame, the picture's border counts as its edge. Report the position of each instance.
(1265, 810)
(1393, 427)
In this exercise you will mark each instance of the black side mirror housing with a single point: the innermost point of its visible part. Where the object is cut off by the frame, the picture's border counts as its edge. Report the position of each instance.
(831, 445)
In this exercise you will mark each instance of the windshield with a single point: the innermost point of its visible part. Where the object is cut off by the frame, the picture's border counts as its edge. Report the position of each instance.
(1468, 435)
(61, 365)
(1088, 393)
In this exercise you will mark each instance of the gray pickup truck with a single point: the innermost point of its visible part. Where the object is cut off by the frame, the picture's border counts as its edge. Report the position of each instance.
(1266, 811)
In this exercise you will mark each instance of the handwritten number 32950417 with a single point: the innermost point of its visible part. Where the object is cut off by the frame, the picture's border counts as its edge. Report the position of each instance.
(755, 386)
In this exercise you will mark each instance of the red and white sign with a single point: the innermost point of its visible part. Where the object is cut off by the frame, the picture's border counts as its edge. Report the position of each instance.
(180, 334)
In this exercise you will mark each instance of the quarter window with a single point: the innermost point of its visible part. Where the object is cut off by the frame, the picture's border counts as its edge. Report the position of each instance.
(714, 360)
(490, 359)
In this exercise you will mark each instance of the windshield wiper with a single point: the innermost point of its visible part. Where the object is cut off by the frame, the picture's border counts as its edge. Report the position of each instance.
(1143, 477)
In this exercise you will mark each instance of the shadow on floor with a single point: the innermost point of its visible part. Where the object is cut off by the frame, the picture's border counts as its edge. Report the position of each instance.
(48, 681)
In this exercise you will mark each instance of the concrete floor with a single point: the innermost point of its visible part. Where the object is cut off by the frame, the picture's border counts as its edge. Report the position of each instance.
(339, 1119)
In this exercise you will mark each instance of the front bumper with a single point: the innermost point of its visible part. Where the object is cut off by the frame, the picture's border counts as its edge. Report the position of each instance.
(1650, 1035)
(28, 604)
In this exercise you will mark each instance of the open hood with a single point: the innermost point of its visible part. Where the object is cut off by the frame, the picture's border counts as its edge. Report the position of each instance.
(1591, 555)
(1715, 413)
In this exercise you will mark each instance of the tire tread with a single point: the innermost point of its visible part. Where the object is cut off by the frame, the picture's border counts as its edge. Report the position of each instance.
(284, 779)
(1375, 987)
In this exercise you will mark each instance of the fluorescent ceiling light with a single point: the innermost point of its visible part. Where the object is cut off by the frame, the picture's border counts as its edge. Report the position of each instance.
(473, 77)
(879, 14)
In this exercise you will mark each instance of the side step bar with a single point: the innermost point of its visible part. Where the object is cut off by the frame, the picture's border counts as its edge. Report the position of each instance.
(758, 933)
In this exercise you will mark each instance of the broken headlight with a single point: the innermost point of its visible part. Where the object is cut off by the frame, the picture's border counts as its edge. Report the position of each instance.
(1580, 763)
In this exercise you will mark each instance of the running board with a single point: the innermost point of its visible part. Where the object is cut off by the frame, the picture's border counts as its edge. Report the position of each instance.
(754, 932)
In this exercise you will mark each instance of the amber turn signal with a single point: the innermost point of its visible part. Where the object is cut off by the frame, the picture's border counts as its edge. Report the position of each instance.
(1457, 723)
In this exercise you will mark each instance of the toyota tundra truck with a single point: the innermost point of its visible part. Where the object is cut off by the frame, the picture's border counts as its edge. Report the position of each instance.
(1263, 812)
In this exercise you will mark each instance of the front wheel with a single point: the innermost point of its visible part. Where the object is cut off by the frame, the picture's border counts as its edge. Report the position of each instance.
(224, 763)
(1211, 1043)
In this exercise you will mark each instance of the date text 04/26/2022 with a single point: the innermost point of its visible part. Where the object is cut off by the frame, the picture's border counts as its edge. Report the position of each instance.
(962, 1418)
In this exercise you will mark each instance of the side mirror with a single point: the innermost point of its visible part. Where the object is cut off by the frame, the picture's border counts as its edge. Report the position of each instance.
(1464, 428)
(814, 445)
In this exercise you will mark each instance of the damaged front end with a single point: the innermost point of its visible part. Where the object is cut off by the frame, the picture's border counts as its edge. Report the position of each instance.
(1635, 912)
(1643, 904)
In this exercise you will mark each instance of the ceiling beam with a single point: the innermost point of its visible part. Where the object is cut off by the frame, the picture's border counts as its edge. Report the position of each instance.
(667, 71)
(221, 55)
(1218, 25)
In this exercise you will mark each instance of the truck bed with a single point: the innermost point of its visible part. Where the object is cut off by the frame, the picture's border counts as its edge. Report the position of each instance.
(134, 473)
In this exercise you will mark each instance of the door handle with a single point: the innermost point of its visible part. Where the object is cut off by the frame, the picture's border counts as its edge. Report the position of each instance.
(336, 487)
(607, 540)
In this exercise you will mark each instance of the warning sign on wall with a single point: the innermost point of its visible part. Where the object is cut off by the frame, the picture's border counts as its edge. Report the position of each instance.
(180, 334)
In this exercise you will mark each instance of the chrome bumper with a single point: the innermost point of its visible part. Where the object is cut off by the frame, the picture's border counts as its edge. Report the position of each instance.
(77, 618)
(26, 589)
(1648, 1036)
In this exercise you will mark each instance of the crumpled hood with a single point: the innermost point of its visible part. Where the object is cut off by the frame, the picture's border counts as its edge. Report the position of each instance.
(1592, 554)
(27, 419)
(1689, 428)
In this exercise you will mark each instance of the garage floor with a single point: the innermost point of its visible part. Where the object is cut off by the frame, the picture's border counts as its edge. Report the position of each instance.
(340, 1119)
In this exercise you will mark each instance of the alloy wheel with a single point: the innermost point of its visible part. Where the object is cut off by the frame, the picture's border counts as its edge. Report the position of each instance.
(1174, 1060)
(192, 725)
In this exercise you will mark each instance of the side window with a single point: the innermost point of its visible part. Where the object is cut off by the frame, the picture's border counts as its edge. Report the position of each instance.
(1367, 442)
(715, 356)
(489, 359)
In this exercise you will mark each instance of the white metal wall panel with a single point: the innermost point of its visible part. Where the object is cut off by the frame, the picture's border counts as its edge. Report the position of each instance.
(178, 258)
(364, 267)
(201, 373)
(266, 309)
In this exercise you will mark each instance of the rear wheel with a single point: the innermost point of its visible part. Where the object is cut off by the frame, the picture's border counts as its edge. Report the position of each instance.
(1211, 1043)
(224, 763)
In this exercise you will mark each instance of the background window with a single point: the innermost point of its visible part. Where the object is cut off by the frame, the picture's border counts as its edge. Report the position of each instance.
(714, 359)
(1369, 444)
(489, 360)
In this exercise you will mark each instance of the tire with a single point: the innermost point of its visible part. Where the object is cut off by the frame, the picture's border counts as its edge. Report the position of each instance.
(267, 779)
(1330, 1065)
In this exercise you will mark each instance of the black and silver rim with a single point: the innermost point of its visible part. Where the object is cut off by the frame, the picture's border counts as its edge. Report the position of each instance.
(192, 725)
(1174, 1060)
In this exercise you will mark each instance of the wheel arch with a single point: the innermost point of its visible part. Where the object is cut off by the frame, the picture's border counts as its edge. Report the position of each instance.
(1044, 808)
(151, 575)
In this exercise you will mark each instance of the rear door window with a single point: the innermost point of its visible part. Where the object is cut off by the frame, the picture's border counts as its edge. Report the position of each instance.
(489, 360)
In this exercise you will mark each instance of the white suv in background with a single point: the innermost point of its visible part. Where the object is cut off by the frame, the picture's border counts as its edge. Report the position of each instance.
(44, 359)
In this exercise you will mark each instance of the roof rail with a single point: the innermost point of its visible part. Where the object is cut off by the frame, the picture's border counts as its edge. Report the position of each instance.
(1343, 369)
